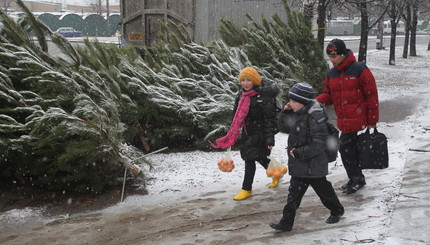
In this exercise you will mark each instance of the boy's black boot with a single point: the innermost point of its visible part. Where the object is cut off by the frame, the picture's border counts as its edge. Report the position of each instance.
(346, 186)
(280, 226)
(334, 218)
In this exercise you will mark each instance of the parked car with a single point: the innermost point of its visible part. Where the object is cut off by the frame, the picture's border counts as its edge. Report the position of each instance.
(69, 32)
(423, 32)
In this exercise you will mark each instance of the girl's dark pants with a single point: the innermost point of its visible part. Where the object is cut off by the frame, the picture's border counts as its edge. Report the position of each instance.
(349, 155)
(250, 171)
(298, 188)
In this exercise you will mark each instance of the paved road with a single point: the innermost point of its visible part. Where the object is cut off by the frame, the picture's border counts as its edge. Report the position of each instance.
(353, 42)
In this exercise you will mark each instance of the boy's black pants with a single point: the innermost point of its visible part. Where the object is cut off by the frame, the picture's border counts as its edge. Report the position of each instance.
(298, 188)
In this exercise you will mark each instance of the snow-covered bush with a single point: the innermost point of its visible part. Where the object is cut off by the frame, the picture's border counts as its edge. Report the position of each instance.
(65, 123)
(60, 123)
(286, 50)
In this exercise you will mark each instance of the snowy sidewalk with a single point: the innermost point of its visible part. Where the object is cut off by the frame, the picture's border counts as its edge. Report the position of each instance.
(411, 215)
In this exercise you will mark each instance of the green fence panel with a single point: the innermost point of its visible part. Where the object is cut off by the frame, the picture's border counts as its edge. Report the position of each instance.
(75, 21)
(95, 26)
(50, 20)
(113, 24)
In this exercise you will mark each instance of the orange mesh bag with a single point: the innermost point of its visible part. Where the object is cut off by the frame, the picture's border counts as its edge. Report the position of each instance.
(226, 164)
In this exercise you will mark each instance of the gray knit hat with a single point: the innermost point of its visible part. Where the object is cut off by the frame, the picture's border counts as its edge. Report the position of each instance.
(302, 93)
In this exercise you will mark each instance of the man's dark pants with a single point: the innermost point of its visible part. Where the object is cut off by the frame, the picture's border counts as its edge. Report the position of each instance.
(349, 155)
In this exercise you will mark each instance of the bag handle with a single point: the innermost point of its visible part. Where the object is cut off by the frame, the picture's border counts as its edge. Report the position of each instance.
(374, 131)
(372, 135)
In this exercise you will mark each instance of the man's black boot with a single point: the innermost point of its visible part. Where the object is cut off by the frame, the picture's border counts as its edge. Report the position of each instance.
(354, 188)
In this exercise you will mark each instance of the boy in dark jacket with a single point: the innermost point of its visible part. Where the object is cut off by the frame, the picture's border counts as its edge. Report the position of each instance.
(307, 161)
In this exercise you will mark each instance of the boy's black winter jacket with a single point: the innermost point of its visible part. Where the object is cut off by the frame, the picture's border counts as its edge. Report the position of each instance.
(260, 123)
(307, 131)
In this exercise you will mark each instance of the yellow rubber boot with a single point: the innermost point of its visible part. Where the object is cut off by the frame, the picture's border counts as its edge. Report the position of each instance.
(242, 195)
(274, 183)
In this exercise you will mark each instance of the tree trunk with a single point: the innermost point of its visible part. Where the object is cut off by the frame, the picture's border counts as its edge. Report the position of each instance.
(428, 47)
(362, 50)
(407, 30)
(99, 7)
(322, 9)
(392, 60)
(140, 134)
(107, 18)
(413, 51)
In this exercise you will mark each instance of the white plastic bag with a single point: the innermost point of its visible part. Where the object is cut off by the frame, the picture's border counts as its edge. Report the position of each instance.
(276, 169)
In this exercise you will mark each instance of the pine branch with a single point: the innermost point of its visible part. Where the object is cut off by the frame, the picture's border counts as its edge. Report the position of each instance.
(36, 26)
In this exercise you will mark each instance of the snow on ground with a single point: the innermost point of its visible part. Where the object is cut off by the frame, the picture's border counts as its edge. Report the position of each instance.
(403, 92)
(187, 174)
(404, 98)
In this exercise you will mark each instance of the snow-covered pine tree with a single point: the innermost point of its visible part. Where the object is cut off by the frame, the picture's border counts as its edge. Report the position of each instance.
(60, 124)
(188, 86)
(66, 120)
(285, 49)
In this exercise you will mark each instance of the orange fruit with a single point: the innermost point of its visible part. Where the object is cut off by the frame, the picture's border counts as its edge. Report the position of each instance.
(284, 169)
(277, 174)
(230, 168)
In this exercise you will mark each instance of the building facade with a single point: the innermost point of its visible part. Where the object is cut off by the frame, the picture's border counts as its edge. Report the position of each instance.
(141, 18)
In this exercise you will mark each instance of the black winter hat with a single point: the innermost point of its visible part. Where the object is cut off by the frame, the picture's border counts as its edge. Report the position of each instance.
(302, 93)
(336, 47)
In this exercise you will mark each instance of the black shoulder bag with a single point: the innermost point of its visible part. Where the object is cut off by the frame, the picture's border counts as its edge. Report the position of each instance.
(372, 150)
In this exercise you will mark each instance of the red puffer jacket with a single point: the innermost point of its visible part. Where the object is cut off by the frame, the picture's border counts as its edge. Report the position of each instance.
(350, 87)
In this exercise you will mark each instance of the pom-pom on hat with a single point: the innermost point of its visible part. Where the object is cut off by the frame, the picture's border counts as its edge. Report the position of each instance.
(251, 74)
(302, 93)
(336, 47)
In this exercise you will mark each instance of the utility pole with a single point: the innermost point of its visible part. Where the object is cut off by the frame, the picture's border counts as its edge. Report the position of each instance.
(380, 34)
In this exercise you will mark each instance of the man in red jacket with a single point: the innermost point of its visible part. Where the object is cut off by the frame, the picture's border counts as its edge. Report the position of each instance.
(350, 87)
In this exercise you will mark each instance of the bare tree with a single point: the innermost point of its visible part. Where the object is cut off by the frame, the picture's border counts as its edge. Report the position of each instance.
(428, 47)
(309, 12)
(395, 12)
(321, 12)
(107, 17)
(411, 21)
(414, 23)
(97, 6)
(425, 10)
(321, 19)
(366, 25)
(5, 4)
(408, 23)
